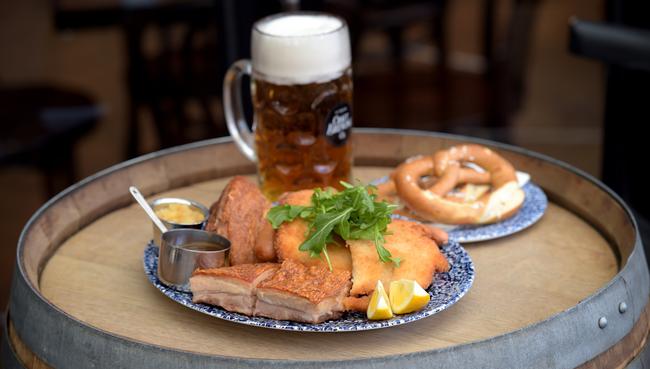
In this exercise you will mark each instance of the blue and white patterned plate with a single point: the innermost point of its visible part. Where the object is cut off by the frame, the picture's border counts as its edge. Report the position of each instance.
(530, 212)
(446, 289)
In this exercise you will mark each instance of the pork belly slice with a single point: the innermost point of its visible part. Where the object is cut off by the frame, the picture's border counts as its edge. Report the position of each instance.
(240, 216)
(233, 288)
(304, 294)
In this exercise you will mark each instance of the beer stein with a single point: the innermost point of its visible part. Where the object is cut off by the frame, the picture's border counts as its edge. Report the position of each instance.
(301, 86)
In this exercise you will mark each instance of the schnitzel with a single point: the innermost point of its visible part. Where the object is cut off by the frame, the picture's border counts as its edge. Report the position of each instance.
(415, 244)
(290, 236)
(409, 241)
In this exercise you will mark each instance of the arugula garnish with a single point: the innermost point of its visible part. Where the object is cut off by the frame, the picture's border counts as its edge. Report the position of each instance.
(352, 214)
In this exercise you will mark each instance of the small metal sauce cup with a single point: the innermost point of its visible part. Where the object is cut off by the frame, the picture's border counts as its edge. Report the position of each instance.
(176, 263)
(171, 225)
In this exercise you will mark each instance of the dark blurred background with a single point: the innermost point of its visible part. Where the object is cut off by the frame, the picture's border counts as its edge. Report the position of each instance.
(85, 84)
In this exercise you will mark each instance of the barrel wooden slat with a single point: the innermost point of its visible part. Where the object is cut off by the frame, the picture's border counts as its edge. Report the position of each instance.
(536, 296)
(23, 354)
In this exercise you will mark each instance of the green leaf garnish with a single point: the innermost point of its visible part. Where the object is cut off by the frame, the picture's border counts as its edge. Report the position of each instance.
(352, 214)
(283, 213)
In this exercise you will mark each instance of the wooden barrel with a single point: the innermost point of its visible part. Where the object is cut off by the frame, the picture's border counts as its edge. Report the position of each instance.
(571, 291)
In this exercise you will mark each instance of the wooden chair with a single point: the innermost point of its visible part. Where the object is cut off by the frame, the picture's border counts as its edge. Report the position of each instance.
(41, 126)
(500, 89)
(186, 68)
(390, 16)
(624, 45)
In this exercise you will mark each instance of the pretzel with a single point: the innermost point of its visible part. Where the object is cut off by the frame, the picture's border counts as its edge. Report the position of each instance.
(434, 204)
(476, 184)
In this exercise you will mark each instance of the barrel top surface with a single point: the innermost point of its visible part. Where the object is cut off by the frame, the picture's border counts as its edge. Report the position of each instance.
(97, 277)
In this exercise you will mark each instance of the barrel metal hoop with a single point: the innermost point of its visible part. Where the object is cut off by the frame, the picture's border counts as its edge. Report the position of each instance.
(69, 343)
(636, 278)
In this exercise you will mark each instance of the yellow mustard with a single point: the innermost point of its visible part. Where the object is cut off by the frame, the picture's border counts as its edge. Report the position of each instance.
(179, 213)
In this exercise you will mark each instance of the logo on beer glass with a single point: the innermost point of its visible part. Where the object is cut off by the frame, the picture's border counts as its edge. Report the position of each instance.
(338, 125)
(302, 99)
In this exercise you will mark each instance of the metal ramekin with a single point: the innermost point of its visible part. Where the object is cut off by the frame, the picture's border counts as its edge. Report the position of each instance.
(170, 225)
(177, 263)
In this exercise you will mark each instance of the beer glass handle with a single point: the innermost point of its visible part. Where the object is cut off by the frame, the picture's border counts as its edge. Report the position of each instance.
(234, 111)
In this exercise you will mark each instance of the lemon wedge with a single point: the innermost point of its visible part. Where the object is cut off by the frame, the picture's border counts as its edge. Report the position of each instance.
(407, 296)
(379, 306)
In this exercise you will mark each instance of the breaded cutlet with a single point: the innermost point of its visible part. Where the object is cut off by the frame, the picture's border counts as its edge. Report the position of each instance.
(291, 235)
(412, 243)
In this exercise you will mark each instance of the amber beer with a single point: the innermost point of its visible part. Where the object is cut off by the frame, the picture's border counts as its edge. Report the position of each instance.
(302, 134)
(302, 98)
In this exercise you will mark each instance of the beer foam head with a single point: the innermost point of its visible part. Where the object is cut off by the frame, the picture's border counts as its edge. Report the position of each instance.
(299, 48)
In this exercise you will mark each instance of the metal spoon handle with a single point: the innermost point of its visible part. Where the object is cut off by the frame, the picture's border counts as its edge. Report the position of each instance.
(147, 209)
